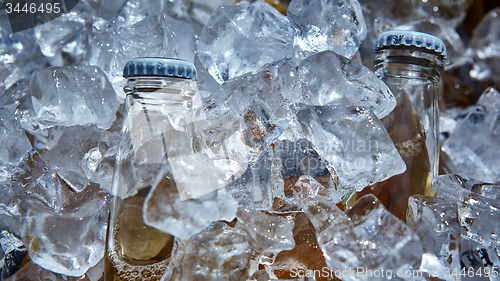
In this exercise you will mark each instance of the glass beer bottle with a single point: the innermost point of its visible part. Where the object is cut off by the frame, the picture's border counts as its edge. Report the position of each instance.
(410, 63)
(158, 108)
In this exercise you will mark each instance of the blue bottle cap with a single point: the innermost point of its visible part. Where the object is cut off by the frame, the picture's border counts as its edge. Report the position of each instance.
(410, 39)
(159, 67)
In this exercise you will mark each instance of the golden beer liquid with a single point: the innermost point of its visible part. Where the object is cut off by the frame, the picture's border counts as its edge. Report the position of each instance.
(138, 252)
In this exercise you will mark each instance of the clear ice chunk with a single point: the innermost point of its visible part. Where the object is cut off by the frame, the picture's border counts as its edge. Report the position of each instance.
(367, 236)
(306, 255)
(242, 38)
(78, 155)
(476, 213)
(154, 36)
(17, 102)
(452, 187)
(478, 218)
(219, 252)
(384, 240)
(474, 146)
(298, 170)
(14, 144)
(325, 25)
(334, 231)
(306, 186)
(254, 188)
(19, 53)
(100, 44)
(353, 141)
(19, 163)
(133, 11)
(330, 79)
(196, 11)
(485, 49)
(66, 96)
(436, 223)
(163, 209)
(262, 113)
(67, 26)
(270, 233)
(64, 230)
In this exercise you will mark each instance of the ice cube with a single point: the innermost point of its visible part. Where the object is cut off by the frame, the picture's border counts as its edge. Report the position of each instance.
(255, 186)
(66, 96)
(353, 141)
(19, 54)
(366, 238)
(219, 252)
(330, 79)
(78, 154)
(14, 145)
(305, 186)
(195, 11)
(436, 223)
(100, 44)
(17, 102)
(299, 169)
(305, 256)
(133, 11)
(19, 163)
(384, 240)
(52, 36)
(260, 109)
(452, 12)
(242, 38)
(64, 230)
(478, 220)
(476, 213)
(451, 188)
(334, 231)
(270, 233)
(324, 25)
(486, 53)
(164, 209)
(473, 147)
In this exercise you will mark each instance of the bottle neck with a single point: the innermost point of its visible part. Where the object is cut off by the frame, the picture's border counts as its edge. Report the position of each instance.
(153, 90)
(408, 64)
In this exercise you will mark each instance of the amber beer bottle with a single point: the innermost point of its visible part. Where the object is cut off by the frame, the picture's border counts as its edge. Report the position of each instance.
(410, 63)
(158, 103)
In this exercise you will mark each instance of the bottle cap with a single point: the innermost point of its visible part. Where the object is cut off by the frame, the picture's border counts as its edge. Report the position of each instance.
(159, 67)
(410, 39)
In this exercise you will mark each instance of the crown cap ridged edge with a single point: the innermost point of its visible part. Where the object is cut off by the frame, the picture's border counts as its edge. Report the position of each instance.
(412, 39)
(168, 67)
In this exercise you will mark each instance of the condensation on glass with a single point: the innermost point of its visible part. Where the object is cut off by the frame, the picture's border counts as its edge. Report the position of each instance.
(156, 122)
(410, 63)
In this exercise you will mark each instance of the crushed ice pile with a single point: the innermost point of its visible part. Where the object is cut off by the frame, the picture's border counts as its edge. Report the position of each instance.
(297, 74)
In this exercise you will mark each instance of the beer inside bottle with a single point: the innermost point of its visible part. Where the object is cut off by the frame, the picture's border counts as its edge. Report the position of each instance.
(410, 63)
(158, 110)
